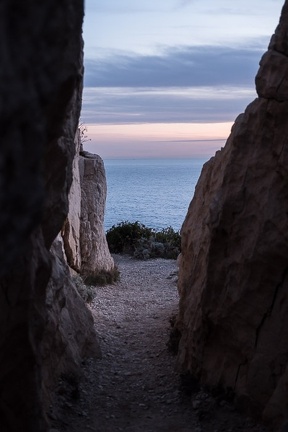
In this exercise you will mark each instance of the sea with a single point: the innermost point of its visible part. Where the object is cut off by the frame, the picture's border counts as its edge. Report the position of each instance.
(154, 192)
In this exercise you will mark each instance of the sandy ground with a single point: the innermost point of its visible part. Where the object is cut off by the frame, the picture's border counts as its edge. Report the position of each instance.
(134, 387)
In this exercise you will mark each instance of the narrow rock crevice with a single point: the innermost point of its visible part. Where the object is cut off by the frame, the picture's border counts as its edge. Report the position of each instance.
(238, 373)
(134, 387)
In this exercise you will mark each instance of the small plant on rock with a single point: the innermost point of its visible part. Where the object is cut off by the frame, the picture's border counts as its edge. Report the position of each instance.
(86, 291)
(83, 133)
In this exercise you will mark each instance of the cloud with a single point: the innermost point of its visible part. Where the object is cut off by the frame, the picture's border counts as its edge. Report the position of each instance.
(183, 3)
(121, 7)
(163, 105)
(184, 84)
(176, 67)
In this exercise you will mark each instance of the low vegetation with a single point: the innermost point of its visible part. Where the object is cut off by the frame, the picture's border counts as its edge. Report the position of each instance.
(85, 285)
(142, 242)
(102, 278)
(87, 292)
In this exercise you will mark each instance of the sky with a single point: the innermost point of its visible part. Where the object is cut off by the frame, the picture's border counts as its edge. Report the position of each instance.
(167, 78)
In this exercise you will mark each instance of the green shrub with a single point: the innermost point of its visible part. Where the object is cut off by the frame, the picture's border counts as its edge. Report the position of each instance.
(122, 238)
(168, 235)
(136, 239)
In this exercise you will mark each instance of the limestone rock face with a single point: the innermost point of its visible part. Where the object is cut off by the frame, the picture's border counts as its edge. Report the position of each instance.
(71, 230)
(95, 255)
(233, 276)
(85, 243)
(69, 334)
(41, 85)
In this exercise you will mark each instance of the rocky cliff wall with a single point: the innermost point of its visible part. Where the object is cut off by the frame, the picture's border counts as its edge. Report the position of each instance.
(233, 275)
(41, 83)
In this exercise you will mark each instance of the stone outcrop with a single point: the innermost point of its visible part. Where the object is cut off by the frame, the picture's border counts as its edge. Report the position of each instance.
(41, 85)
(84, 237)
(95, 255)
(233, 277)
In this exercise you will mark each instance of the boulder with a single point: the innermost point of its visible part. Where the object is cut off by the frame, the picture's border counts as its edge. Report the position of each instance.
(86, 248)
(233, 276)
(95, 256)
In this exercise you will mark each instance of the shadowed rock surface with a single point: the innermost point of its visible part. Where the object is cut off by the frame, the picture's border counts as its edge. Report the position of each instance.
(233, 276)
(69, 334)
(41, 85)
(71, 229)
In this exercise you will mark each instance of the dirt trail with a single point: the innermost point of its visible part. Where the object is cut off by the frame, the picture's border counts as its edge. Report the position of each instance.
(134, 386)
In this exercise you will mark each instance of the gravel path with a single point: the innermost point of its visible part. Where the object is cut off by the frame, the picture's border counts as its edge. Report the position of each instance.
(134, 386)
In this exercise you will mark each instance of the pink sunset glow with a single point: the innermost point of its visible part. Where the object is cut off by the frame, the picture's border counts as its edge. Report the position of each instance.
(174, 140)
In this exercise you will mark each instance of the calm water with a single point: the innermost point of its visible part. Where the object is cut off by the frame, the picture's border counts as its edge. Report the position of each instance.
(156, 192)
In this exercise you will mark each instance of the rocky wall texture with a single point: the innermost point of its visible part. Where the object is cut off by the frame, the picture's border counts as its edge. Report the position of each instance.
(95, 255)
(71, 229)
(233, 277)
(83, 234)
(69, 334)
(41, 83)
